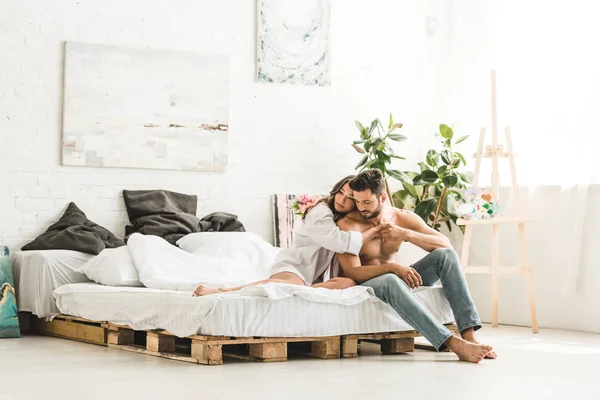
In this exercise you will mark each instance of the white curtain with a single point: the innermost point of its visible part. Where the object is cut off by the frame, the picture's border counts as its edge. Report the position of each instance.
(548, 67)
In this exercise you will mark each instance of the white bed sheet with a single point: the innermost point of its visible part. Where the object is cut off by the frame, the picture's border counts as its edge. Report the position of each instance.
(235, 314)
(38, 272)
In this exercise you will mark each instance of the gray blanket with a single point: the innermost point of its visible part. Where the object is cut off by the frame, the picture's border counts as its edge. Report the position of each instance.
(172, 215)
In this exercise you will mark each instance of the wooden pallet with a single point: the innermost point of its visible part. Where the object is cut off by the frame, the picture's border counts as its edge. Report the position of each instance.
(210, 350)
(74, 328)
(390, 342)
(197, 349)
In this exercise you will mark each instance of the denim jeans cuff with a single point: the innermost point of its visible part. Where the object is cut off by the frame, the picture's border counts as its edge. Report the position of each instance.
(476, 325)
(440, 346)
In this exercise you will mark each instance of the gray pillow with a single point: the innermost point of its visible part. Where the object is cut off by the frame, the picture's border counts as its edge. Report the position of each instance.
(74, 231)
(163, 213)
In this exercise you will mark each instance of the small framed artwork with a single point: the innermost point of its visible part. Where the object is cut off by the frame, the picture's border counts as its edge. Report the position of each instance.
(288, 210)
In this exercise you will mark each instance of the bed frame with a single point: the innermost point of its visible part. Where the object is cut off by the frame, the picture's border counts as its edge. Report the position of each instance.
(210, 350)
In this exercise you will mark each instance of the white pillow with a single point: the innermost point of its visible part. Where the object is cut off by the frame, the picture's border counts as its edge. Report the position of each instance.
(112, 267)
(244, 248)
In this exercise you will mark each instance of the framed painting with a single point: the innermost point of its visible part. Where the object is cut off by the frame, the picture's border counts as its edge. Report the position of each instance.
(293, 43)
(145, 108)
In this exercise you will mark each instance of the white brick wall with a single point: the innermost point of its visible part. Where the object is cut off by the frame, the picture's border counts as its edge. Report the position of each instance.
(283, 138)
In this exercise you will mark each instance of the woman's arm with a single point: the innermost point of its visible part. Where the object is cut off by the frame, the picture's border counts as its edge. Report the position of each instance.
(323, 230)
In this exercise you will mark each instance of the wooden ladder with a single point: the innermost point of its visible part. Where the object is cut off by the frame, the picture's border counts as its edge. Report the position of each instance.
(496, 151)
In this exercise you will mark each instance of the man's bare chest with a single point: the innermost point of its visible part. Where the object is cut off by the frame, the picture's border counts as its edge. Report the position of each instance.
(377, 251)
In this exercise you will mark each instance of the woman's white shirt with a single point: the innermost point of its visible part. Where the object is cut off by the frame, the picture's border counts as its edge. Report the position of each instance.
(316, 241)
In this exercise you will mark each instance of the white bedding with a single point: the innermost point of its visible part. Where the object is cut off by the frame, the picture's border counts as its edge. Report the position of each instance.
(37, 273)
(160, 264)
(164, 266)
(269, 310)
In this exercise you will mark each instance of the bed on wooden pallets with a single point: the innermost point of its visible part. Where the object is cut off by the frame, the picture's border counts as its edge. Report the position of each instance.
(63, 303)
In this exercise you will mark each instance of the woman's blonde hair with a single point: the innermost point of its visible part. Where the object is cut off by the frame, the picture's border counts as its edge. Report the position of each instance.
(329, 200)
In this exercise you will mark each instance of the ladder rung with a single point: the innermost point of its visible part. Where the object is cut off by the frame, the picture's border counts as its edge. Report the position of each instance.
(491, 154)
(499, 270)
(493, 221)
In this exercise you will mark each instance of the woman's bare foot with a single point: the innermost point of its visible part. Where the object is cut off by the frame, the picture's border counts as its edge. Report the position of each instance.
(204, 290)
(469, 336)
(467, 351)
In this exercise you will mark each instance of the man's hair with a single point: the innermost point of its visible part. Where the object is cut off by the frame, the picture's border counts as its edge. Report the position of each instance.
(369, 179)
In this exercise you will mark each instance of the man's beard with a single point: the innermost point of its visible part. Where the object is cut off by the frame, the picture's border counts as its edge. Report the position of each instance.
(373, 214)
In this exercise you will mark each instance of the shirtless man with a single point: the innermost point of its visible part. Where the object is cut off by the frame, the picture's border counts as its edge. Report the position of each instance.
(392, 282)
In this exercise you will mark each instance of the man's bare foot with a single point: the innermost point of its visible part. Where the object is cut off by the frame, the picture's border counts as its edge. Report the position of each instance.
(469, 336)
(467, 351)
(204, 290)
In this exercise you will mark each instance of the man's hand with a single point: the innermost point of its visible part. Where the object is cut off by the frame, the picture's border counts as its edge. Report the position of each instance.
(393, 233)
(408, 275)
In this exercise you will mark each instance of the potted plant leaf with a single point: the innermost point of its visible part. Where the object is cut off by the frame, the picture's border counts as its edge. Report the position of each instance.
(375, 146)
(439, 183)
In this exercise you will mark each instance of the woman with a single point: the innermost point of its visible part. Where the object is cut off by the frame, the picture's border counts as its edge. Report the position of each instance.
(315, 245)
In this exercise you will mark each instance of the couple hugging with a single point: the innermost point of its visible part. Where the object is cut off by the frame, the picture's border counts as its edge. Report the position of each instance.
(355, 225)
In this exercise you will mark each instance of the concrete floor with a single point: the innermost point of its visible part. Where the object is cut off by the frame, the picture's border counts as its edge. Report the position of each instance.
(550, 365)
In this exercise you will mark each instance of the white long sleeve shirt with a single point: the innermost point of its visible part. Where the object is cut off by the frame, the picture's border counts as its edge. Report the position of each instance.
(316, 241)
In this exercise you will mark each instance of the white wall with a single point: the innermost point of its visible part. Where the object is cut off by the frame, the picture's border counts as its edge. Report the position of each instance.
(282, 138)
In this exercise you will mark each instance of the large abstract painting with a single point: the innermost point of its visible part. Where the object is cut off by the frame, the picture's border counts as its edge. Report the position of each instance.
(9, 317)
(145, 108)
(293, 42)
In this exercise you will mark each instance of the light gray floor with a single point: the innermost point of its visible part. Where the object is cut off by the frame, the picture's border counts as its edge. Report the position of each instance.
(549, 365)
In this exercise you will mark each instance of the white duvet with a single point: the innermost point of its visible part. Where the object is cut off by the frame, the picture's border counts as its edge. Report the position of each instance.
(163, 266)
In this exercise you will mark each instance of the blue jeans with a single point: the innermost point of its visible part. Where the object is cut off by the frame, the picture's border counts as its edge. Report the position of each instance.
(440, 264)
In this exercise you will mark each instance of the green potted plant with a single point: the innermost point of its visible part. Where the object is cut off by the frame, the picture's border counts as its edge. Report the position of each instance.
(439, 183)
(431, 192)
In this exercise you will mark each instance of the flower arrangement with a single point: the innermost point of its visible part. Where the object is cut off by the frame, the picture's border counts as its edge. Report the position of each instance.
(303, 202)
(477, 203)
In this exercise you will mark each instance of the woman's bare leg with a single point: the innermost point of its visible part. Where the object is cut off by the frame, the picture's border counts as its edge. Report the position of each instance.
(336, 283)
(281, 277)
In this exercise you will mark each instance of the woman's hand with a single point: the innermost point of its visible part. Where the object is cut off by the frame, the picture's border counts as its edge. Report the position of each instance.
(371, 233)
